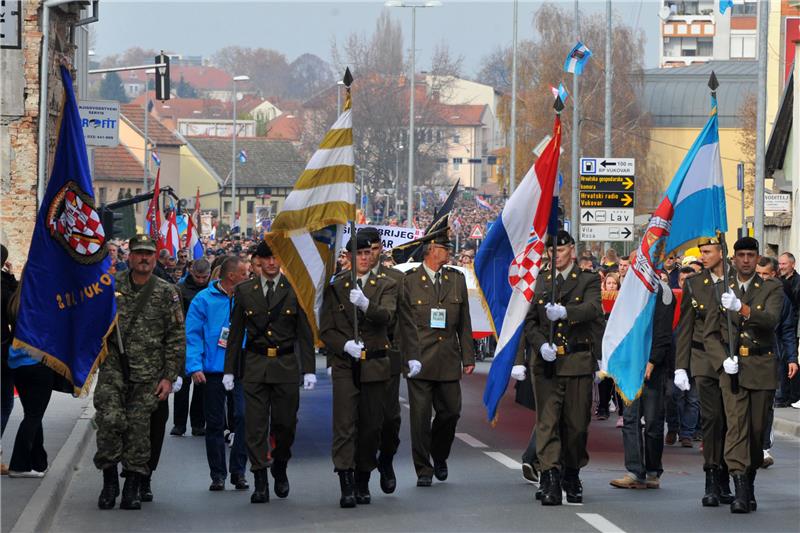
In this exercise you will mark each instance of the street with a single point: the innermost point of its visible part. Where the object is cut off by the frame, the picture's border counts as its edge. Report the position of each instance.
(484, 492)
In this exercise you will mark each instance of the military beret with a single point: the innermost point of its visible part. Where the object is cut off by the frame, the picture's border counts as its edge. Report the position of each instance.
(142, 242)
(708, 241)
(443, 239)
(363, 242)
(563, 238)
(746, 243)
(263, 249)
(372, 233)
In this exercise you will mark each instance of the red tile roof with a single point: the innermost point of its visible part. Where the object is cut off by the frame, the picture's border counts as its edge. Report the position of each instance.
(176, 108)
(286, 127)
(157, 132)
(116, 163)
(203, 78)
(460, 115)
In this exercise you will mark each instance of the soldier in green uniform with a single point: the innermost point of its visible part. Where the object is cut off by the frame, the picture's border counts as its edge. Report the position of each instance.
(267, 313)
(437, 337)
(701, 294)
(360, 368)
(145, 356)
(390, 432)
(563, 366)
(753, 309)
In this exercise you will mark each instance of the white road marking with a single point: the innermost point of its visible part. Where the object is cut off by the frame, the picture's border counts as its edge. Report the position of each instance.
(504, 460)
(469, 439)
(600, 523)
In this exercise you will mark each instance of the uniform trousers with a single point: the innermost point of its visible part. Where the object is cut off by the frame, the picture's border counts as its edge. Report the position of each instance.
(390, 432)
(432, 440)
(269, 408)
(747, 414)
(357, 422)
(712, 413)
(563, 413)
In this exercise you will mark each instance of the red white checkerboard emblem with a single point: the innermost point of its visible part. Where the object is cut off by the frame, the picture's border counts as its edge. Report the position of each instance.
(76, 225)
(525, 267)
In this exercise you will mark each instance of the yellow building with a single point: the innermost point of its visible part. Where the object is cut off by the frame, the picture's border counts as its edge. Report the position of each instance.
(678, 100)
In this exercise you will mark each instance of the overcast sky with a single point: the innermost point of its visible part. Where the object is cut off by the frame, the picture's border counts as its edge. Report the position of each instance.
(472, 28)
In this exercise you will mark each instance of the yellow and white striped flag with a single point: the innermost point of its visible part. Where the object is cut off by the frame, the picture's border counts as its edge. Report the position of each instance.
(303, 233)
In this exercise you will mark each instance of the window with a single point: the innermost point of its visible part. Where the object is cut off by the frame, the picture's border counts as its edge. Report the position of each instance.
(456, 163)
(226, 207)
(456, 138)
(274, 207)
(743, 46)
(250, 207)
(102, 195)
(747, 9)
(705, 47)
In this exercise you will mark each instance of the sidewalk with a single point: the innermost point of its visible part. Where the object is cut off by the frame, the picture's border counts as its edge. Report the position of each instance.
(59, 422)
(787, 421)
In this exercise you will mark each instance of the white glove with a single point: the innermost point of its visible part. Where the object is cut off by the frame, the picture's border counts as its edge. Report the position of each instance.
(177, 385)
(555, 312)
(227, 381)
(518, 372)
(730, 301)
(548, 352)
(354, 348)
(414, 368)
(309, 381)
(681, 380)
(358, 299)
(731, 366)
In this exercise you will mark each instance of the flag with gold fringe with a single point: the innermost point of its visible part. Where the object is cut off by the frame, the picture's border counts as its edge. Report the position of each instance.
(305, 232)
(67, 304)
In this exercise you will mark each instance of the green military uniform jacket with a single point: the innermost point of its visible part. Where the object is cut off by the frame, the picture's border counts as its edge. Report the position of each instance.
(580, 295)
(155, 347)
(264, 342)
(337, 326)
(442, 352)
(699, 297)
(754, 336)
(395, 358)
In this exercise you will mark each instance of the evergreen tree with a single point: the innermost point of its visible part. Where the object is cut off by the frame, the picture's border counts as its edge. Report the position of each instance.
(111, 88)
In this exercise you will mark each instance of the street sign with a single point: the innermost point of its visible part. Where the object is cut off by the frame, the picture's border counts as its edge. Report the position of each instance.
(606, 199)
(607, 183)
(778, 203)
(100, 121)
(606, 232)
(608, 166)
(598, 215)
(477, 232)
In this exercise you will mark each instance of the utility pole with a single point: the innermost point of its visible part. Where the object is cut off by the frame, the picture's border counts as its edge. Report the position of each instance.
(576, 110)
(411, 140)
(512, 177)
(761, 125)
(609, 78)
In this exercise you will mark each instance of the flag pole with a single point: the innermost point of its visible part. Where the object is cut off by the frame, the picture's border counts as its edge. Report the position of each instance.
(713, 84)
(550, 366)
(348, 81)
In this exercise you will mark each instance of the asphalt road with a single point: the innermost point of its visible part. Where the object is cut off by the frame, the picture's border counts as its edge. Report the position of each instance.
(485, 490)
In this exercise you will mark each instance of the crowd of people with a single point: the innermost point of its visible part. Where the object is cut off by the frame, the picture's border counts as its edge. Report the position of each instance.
(229, 326)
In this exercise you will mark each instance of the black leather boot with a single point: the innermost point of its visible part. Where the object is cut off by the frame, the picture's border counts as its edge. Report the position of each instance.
(552, 496)
(751, 490)
(711, 497)
(572, 486)
(261, 487)
(388, 478)
(281, 480)
(741, 502)
(363, 497)
(130, 492)
(725, 496)
(145, 491)
(108, 496)
(347, 483)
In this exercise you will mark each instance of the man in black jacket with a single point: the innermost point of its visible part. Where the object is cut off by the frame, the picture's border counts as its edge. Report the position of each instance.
(643, 452)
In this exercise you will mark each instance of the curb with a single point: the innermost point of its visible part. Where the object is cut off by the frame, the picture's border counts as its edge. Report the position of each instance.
(41, 508)
(786, 427)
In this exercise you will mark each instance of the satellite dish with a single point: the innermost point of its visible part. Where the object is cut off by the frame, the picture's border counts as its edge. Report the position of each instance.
(664, 13)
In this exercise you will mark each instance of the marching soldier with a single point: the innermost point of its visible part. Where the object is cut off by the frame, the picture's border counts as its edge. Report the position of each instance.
(360, 369)
(563, 370)
(437, 331)
(267, 313)
(145, 356)
(753, 307)
(390, 432)
(701, 294)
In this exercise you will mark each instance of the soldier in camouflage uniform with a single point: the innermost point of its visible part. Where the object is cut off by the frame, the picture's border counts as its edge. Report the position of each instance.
(145, 355)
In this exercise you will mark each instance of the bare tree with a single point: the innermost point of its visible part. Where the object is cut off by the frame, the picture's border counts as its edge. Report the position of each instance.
(267, 69)
(309, 74)
(747, 144)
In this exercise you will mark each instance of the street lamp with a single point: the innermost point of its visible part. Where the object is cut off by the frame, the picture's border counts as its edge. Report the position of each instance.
(412, 86)
(233, 151)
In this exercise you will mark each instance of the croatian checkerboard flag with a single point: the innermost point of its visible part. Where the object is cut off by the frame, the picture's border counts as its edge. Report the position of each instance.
(193, 231)
(482, 203)
(694, 207)
(577, 58)
(509, 260)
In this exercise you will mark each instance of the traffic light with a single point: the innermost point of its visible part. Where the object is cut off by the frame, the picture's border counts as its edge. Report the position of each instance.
(111, 222)
(162, 77)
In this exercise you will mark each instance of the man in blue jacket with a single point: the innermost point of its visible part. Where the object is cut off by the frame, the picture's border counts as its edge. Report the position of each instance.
(207, 328)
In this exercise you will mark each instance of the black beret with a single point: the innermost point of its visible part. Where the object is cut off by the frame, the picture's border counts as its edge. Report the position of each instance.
(373, 233)
(746, 243)
(563, 238)
(263, 249)
(363, 242)
(443, 239)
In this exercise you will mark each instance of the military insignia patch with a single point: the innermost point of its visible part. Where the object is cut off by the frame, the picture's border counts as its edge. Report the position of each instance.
(75, 224)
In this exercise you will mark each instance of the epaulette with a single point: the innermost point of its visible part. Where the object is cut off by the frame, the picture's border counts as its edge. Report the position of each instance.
(412, 271)
(453, 269)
